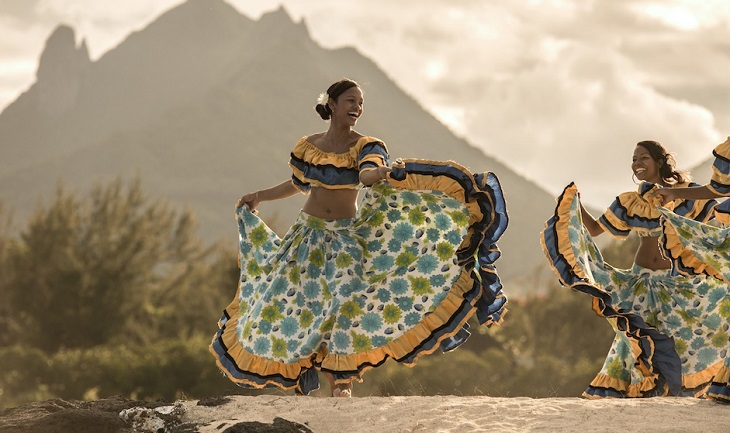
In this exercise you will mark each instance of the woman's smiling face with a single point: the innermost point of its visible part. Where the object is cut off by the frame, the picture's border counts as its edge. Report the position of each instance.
(349, 106)
(644, 166)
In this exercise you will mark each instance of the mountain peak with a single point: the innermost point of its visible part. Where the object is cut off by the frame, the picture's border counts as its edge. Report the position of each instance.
(196, 19)
(60, 71)
(279, 15)
(198, 91)
(279, 21)
(61, 49)
(207, 7)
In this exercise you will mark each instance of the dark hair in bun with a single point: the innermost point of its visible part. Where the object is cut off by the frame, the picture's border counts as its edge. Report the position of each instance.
(333, 92)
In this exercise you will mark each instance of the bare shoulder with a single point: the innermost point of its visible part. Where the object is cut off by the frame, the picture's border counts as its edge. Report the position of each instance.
(356, 138)
(316, 139)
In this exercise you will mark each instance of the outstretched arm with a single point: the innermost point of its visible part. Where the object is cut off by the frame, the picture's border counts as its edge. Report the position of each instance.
(688, 193)
(282, 190)
(589, 222)
(369, 177)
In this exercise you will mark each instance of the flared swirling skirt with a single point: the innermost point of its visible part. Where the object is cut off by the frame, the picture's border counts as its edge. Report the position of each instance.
(698, 248)
(342, 296)
(671, 330)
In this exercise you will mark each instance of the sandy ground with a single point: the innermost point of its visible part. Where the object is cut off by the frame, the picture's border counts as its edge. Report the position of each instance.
(470, 414)
(289, 414)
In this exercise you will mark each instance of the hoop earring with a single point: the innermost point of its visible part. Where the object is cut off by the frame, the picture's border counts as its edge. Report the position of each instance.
(633, 178)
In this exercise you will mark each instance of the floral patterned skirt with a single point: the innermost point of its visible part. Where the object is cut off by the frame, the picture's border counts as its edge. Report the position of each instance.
(344, 295)
(699, 248)
(671, 330)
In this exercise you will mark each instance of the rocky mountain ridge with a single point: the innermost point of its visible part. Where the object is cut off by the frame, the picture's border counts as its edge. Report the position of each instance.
(205, 104)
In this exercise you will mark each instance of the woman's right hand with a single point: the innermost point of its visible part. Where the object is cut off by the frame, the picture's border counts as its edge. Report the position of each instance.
(250, 200)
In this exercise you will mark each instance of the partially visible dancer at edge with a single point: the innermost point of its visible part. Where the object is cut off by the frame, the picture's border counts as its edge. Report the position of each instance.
(346, 288)
(719, 185)
(702, 248)
(671, 329)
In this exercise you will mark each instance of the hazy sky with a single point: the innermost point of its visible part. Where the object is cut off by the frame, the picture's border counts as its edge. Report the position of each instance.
(559, 90)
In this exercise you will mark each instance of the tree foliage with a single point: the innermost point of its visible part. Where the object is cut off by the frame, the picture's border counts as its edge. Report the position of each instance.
(6, 325)
(114, 266)
(113, 293)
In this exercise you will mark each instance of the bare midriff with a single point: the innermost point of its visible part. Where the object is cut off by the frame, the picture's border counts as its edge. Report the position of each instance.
(649, 255)
(331, 203)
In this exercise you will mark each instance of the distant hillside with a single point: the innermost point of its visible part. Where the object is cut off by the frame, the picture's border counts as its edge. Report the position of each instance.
(205, 104)
(702, 172)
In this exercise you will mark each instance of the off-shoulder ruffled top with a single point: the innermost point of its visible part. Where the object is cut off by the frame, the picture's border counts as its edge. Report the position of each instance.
(633, 211)
(311, 166)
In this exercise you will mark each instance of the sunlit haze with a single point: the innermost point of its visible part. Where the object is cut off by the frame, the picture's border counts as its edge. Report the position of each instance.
(559, 90)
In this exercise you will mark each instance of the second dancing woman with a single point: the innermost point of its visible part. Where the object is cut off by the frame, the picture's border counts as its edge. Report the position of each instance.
(671, 329)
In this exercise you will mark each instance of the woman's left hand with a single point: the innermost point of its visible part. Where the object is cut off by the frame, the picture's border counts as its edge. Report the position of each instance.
(662, 196)
(251, 200)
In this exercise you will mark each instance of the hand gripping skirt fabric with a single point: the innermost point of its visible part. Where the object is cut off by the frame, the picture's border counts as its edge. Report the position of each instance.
(699, 248)
(671, 330)
(342, 296)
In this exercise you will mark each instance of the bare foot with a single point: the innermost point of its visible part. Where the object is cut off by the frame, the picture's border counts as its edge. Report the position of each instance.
(342, 390)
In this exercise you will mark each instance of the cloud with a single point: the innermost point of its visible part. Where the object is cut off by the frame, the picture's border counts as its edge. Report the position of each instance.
(27, 24)
(17, 68)
(558, 106)
(19, 10)
(103, 24)
(560, 90)
(557, 89)
(578, 119)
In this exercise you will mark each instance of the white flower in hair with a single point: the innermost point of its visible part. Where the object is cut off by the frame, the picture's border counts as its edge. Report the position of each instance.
(323, 98)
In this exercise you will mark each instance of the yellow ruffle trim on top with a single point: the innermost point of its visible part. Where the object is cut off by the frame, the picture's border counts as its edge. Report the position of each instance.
(644, 214)
(635, 206)
(305, 150)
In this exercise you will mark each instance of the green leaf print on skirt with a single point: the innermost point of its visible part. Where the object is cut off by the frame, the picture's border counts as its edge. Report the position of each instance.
(350, 285)
(646, 308)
